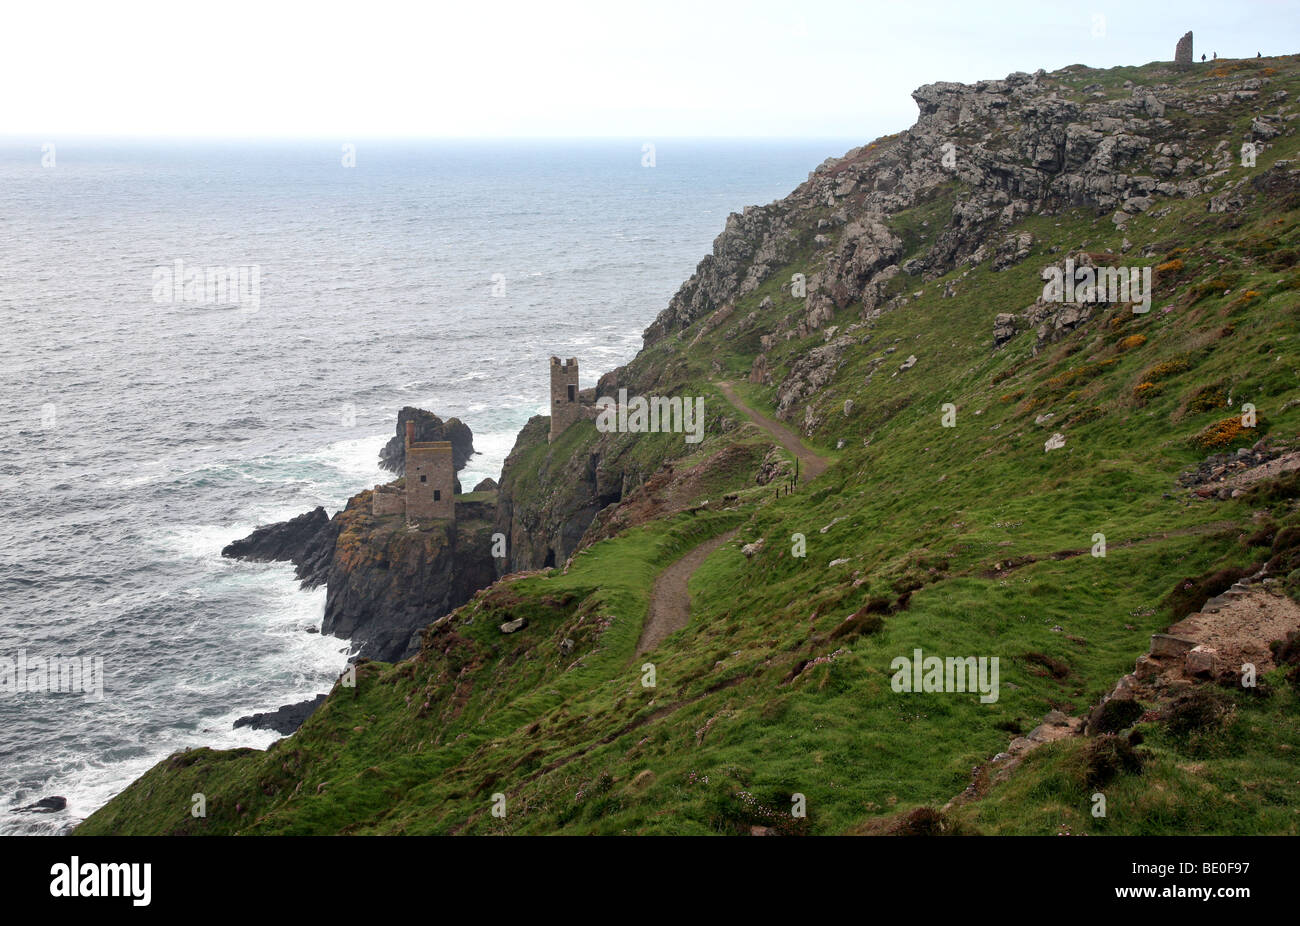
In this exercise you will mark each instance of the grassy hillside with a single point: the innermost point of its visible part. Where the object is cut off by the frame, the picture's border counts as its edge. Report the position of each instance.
(969, 540)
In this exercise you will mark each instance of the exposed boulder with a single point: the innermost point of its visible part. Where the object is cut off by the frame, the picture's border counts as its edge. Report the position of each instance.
(1004, 328)
(46, 805)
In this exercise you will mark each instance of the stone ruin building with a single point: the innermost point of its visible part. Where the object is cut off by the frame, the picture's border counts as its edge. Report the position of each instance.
(430, 482)
(565, 409)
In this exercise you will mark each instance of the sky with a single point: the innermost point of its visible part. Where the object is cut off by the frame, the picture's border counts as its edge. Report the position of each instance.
(614, 68)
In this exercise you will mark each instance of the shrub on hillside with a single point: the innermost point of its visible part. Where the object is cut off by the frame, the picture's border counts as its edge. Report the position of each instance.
(1145, 392)
(1287, 653)
(1078, 375)
(1282, 259)
(1226, 432)
(1083, 416)
(1244, 299)
(1270, 492)
(1199, 711)
(1054, 667)
(739, 811)
(1215, 286)
(1163, 370)
(926, 821)
(1190, 595)
(1117, 714)
(1208, 398)
(1106, 756)
(864, 622)
(1285, 558)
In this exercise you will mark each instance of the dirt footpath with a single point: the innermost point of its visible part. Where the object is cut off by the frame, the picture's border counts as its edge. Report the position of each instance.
(670, 598)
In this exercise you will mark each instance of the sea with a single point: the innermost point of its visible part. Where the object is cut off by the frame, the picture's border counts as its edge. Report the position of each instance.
(199, 337)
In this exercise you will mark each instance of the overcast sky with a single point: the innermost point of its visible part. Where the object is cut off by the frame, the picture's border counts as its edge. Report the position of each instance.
(640, 68)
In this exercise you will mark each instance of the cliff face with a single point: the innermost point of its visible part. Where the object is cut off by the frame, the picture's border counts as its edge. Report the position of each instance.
(979, 160)
(385, 581)
(388, 581)
(551, 494)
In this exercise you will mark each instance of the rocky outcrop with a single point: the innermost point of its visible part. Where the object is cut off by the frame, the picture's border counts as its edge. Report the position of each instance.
(307, 541)
(999, 150)
(548, 499)
(809, 374)
(1004, 328)
(286, 719)
(751, 245)
(52, 804)
(428, 427)
(387, 581)
(1223, 475)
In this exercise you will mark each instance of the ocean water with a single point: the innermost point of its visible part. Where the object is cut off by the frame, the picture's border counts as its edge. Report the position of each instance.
(138, 435)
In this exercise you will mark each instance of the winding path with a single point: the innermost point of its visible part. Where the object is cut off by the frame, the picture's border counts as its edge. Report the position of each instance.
(670, 598)
(810, 464)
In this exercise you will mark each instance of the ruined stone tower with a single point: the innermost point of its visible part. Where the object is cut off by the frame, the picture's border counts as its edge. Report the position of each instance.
(1183, 53)
(430, 478)
(564, 396)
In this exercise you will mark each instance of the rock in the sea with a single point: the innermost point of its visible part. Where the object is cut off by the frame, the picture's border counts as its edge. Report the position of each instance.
(307, 541)
(284, 720)
(46, 805)
(428, 427)
(487, 485)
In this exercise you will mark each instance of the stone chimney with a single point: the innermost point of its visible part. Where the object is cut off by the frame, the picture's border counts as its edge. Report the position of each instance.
(1183, 53)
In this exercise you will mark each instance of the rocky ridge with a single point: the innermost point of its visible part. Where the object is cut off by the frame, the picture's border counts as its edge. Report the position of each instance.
(1029, 144)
